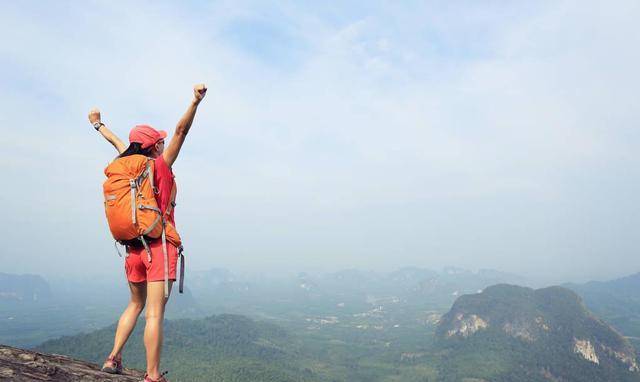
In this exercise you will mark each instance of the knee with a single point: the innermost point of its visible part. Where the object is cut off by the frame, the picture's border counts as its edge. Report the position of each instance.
(136, 306)
(154, 313)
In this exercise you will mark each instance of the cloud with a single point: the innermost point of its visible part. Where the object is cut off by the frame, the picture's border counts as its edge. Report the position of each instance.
(373, 134)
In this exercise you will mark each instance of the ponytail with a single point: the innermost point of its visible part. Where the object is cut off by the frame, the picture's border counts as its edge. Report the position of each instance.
(135, 148)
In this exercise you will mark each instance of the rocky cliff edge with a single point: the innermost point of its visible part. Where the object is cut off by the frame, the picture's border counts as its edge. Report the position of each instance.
(24, 365)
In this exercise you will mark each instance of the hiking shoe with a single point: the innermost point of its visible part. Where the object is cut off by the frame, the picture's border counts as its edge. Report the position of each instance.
(112, 365)
(161, 379)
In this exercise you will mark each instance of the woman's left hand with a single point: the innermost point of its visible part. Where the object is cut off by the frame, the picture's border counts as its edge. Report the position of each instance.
(199, 92)
(94, 115)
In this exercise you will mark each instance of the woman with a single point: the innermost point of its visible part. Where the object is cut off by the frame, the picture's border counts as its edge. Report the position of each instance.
(146, 278)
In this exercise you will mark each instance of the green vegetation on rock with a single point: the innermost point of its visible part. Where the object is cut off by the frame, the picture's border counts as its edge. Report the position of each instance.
(511, 333)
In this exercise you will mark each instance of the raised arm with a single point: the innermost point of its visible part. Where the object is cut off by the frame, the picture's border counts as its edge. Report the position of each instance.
(170, 154)
(94, 119)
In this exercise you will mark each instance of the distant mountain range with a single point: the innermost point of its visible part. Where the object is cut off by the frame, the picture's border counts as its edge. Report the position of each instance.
(505, 333)
(616, 301)
(24, 288)
(358, 326)
(512, 333)
(33, 309)
(621, 296)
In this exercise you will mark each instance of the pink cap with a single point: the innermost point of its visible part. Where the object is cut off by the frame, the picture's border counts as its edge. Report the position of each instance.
(146, 135)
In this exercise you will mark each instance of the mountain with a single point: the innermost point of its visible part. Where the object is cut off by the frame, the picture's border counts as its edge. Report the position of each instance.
(512, 333)
(620, 295)
(616, 301)
(503, 333)
(23, 288)
(222, 348)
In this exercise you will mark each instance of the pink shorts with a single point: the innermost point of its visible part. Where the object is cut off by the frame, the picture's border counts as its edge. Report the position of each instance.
(139, 269)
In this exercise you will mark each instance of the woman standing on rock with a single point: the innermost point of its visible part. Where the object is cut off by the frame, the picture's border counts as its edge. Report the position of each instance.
(150, 269)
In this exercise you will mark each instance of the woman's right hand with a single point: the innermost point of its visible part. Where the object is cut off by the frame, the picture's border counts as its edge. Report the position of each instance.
(94, 115)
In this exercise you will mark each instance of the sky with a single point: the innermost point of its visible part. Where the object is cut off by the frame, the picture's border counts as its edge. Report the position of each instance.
(375, 135)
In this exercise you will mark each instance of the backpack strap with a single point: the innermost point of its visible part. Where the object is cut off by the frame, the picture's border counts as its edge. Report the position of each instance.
(166, 261)
(146, 247)
(149, 172)
(167, 213)
(157, 220)
(180, 250)
(145, 207)
(115, 244)
(172, 200)
(153, 225)
(134, 186)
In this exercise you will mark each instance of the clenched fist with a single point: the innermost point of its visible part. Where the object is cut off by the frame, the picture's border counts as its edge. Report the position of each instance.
(199, 92)
(94, 115)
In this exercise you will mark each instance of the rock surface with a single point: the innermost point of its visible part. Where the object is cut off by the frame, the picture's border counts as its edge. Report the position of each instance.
(586, 350)
(24, 365)
(466, 325)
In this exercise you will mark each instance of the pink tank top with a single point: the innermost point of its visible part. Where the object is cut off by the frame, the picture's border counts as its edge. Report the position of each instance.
(165, 182)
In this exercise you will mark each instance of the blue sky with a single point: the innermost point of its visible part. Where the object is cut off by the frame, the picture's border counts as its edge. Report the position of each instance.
(361, 134)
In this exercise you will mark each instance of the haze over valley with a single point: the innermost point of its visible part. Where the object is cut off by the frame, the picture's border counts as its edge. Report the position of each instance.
(349, 325)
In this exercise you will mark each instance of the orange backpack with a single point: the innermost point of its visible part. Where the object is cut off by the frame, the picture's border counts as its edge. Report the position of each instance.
(132, 211)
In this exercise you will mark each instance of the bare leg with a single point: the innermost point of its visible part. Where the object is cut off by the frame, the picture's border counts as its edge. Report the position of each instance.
(153, 329)
(129, 317)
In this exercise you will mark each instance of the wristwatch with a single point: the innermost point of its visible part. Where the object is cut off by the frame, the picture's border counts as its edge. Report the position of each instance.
(97, 125)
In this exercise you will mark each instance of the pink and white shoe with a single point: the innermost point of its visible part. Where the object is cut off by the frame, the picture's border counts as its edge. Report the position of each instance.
(113, 365)
(161, 379)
